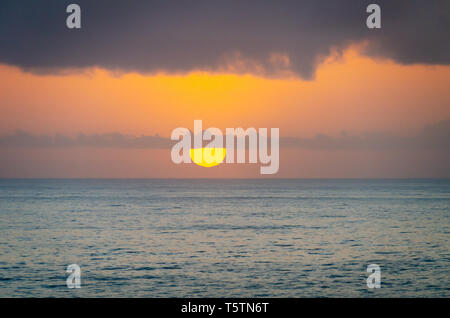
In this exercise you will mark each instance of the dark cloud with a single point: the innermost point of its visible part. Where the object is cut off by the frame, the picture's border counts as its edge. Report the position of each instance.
(435, 136)
(179, 36)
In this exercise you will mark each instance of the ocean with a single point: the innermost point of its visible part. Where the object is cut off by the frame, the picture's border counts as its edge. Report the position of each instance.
(224, 238)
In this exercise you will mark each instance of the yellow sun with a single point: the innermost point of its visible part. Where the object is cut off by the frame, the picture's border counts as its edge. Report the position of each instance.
(208, 157)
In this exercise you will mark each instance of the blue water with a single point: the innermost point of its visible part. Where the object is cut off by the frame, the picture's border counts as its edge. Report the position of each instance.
(224, 238)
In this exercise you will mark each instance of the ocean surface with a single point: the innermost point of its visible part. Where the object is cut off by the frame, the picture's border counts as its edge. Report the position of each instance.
(225, 238)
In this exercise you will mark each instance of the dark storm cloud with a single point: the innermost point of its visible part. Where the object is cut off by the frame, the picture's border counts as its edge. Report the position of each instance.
(178, 36)
(436, 136)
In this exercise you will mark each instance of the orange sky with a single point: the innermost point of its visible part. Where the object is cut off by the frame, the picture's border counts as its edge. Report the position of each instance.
(351, 94)
(354, 94)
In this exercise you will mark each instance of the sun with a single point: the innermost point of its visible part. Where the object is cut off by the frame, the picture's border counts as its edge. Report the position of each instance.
(208, 157)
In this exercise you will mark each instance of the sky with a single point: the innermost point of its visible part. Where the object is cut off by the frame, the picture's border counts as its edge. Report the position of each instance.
(102, 101)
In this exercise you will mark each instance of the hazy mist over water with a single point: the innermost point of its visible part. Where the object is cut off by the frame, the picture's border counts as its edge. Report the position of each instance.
(224, 238)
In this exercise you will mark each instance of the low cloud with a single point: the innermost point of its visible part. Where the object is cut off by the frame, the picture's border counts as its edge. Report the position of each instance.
(112, 140)
(436, 136)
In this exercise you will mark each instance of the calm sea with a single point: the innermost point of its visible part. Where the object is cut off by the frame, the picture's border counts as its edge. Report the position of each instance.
(225, 238)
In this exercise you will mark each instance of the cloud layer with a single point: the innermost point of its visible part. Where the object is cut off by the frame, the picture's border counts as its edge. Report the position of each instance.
(238, 35)
(435, 136)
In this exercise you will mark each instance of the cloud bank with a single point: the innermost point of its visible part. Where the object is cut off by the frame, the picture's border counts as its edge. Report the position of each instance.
(436, 136)
(238, 35)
